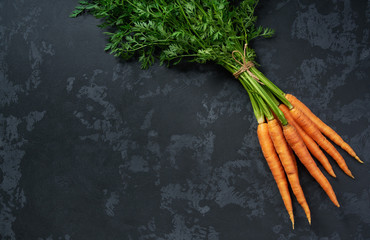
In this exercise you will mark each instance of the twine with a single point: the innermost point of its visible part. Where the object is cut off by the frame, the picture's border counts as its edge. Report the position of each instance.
(245, 66)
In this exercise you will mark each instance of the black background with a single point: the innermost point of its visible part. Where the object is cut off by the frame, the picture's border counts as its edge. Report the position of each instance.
(93, 147)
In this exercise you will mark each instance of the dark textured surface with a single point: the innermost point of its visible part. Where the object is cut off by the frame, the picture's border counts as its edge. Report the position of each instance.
(92, 147)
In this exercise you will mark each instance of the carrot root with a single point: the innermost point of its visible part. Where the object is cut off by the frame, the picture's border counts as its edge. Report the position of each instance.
(298, 146)
(282, 149)
(311, 129)
(276, 167)
(358, 159)
(309, 142)
(325, 129)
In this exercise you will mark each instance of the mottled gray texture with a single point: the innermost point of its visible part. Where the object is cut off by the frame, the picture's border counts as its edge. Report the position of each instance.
(92, 147)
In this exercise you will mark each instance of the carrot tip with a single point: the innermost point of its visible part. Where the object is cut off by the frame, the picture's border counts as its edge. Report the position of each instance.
(337, 205)
(352, 176)
(358, 159)
(333, 174)
(309, 220)
(292, 219)
(349, 173)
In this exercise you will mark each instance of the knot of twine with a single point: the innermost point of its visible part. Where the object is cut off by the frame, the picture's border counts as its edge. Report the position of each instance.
(245, 66)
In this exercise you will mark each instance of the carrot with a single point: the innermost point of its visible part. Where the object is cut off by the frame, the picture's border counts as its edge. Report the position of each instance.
(298, 146)
(293, 157)
(275, 166)
(290, 150)
(310, 128)
(309, 142)
(325, 129)
(286, 159)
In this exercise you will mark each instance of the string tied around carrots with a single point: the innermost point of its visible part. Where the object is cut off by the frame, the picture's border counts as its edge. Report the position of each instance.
(245, 66)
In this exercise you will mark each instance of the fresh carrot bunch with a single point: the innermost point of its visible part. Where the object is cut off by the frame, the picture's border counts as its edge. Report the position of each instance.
(219, 31)
(297, 131)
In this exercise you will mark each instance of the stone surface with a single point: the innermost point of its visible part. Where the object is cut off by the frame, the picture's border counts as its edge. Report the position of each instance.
(92, 147)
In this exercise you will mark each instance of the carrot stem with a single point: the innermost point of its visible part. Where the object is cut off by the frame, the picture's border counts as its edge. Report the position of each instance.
(263, 94)
(251, 83)
(258, 113)
(274, 89)
(271, 95)
(264, 108)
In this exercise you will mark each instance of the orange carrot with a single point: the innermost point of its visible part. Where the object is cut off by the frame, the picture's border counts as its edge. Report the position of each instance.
(290, 149)
(325, 129)
(286, 159)
(310, 128)
(298, 146)
(309, 142)
(293, 157)
(275, 166)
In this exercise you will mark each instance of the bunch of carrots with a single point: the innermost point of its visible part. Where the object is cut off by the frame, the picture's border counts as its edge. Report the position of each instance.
(301, 132)
(215, 31)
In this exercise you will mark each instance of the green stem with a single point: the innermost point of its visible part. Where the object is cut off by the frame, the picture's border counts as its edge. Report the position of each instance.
(266, 111)
(266, 81)
(257, 110)
(258, 113)
(271, 95)
(274, 89)
(259, 89)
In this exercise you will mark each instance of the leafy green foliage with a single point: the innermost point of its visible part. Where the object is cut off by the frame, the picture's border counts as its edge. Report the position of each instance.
(176, 30)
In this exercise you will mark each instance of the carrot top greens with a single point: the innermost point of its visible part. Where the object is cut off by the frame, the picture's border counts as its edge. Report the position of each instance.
(173, 30)
(190, 30)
